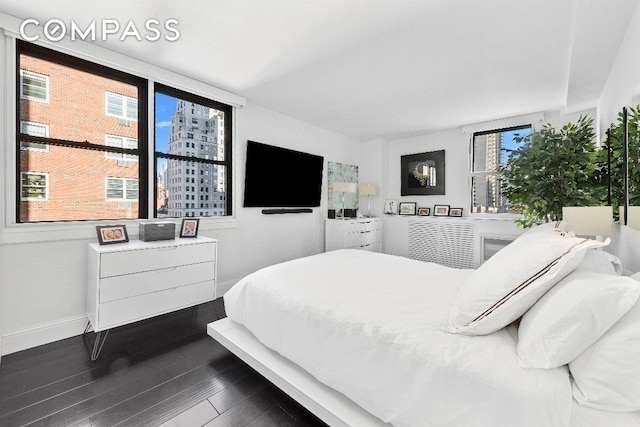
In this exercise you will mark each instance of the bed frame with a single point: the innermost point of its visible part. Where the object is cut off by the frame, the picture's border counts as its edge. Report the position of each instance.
(327, 404)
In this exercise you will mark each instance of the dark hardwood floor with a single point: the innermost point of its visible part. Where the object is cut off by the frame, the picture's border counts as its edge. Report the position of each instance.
(161, 371)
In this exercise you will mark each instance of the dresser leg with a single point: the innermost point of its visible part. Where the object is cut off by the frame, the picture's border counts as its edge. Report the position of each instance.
(97, 345)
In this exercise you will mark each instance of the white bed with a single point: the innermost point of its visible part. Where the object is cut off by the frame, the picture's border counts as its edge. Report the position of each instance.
(359, 339)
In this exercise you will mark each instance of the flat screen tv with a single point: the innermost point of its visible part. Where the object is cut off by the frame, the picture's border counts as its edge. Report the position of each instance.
(281, 178)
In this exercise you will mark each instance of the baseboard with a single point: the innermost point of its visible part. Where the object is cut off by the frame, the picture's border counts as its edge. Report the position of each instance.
(43, 334)
(66, 328)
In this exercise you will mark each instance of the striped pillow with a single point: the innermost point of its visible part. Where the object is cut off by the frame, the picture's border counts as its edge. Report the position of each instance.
(512, 280)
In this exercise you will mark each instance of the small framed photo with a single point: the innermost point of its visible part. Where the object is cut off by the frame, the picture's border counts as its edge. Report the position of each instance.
(108, 234)
(407, 208)
(189, 227)
(424, 211)
(455, 212)
(441, 210)
(391, 207)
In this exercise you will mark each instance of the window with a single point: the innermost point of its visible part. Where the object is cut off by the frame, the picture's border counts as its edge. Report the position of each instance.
(34, 129)
(121, 142)
(34, 86)
(121, 189)
(34, 186)
(67, 144)
(174, 106)
(121, 106)
(490, 151)
(83, 143)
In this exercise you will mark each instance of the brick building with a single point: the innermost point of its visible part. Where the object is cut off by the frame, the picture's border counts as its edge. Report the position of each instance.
(60, 183)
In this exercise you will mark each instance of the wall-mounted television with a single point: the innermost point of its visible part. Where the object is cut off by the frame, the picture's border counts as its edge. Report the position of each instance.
(282, 178)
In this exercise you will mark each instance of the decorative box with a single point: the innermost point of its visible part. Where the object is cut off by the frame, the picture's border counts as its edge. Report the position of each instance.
(150, 231)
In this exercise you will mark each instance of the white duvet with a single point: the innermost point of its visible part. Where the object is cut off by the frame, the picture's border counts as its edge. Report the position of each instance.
(370, 326)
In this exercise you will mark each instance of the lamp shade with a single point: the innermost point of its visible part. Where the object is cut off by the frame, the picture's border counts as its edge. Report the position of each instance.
(344, 187)
(588, 220)
(368, 190)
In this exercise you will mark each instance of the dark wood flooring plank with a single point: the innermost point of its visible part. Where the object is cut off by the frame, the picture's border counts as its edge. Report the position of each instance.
(127, 388)
(197, 415)
(247, 410)
(160, 408)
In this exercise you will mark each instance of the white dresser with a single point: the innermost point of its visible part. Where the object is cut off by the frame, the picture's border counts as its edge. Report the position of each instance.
(136, 280)
(354, 233)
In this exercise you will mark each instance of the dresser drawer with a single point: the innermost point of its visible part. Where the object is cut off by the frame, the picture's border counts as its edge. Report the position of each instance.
(130, 285)
(124, 311)
(155, 258)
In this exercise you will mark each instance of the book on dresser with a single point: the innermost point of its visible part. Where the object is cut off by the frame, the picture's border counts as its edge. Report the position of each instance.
(353, 233)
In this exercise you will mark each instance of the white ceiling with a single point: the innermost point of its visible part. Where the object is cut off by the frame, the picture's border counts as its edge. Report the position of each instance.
(376, 68)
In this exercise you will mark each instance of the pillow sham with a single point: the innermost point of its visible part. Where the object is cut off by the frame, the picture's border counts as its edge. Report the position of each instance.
(513, 279)
(606, 375)
(573, 315)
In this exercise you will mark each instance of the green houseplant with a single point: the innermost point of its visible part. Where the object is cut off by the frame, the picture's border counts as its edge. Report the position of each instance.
(612, 159)
(551, 169)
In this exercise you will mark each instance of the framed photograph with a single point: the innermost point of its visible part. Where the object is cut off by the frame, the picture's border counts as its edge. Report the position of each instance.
(424, 211)
(407, 208)
(189, 227)
(422, 174)
(391, 207)
(108, 234)
(455, 212)
(441, 210)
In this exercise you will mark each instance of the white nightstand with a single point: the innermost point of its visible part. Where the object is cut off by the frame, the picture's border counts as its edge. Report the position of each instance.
(354, 233)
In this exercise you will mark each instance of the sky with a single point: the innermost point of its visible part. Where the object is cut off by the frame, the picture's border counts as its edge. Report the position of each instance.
(508, 142)
(165, 107)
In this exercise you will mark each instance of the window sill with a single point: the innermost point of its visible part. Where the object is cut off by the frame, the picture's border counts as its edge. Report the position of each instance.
(86, 230)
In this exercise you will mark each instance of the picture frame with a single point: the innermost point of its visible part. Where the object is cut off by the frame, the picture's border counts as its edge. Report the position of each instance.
(424, 211)
(391, 207)
(110, 234)
(189, 227)
(441, 210)
(407, 208)
(422, 174)
(455, 212)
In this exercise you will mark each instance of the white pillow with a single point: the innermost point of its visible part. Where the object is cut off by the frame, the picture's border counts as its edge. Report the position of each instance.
(546, 227)
(572, 316)
(606, 375)
(513, 279)
(600, 261)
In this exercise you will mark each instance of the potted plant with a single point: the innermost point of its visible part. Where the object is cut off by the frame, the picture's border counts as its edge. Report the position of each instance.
(551, 169)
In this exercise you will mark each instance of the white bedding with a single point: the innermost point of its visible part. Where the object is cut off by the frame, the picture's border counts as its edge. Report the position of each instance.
(370, 326)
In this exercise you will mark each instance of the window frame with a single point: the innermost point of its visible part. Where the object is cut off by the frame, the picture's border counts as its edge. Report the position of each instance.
(11, 230)
(484, 174)
(66, 60)
(226, 163)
